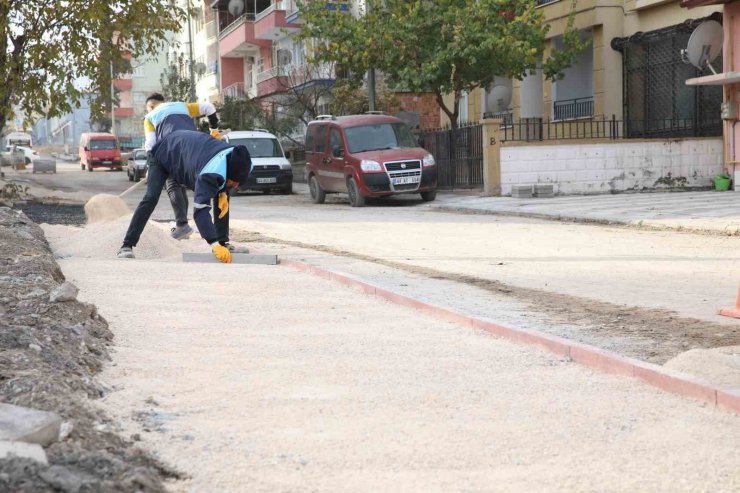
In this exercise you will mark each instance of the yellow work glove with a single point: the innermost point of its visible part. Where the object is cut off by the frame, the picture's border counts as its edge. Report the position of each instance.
(215, 133)
(223, 204)
(221, 252)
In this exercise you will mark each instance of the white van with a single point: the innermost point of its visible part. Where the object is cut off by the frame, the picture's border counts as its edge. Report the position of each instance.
(270, 169)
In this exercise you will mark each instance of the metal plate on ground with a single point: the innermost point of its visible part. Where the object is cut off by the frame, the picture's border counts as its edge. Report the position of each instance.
(236, 258)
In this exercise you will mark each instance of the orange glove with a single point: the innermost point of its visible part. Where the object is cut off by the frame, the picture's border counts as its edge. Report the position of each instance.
(221, 252)
(223, 204)
(215, 133)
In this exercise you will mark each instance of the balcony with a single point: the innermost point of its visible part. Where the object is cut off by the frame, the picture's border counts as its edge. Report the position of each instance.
(572, 109)
(271, 24)
(293, 15)
(123, 84)
(238, 39)
(234, 91)
(541, 3)
(123, 112)
(272, 81)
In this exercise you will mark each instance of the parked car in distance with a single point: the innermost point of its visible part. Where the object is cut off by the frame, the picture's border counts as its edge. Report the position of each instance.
(136, 166)
(28, 153)
(270, 169)
(100, 150)
(370, 155)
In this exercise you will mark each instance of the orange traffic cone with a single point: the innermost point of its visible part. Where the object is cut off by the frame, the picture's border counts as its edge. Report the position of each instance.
(732, 312)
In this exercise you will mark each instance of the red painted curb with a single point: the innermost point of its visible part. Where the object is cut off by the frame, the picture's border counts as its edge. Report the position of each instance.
(584, 354)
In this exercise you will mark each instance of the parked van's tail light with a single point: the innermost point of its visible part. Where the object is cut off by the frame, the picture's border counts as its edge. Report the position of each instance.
(429, 160)
(369, 166)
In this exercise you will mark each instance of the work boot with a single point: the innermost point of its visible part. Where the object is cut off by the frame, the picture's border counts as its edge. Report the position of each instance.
(126, 252)
(181, 232)
(235, 248)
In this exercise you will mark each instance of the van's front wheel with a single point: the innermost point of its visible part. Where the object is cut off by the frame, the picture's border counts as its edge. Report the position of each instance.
(355, 197)
(317, 193)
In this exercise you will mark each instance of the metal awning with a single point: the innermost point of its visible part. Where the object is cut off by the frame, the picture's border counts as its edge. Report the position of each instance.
(722, 79)
(690, 4)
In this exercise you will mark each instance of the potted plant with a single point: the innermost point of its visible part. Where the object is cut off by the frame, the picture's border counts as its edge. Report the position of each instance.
(722, 182)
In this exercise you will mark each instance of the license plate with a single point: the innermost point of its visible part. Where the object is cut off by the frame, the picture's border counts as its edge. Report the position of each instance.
(107, 162)
(405, 180)
(266, 180)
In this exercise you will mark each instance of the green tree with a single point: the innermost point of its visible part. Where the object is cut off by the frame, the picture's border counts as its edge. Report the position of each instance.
(176, 83)
(48, 47)
(246, 114)
(440, 46)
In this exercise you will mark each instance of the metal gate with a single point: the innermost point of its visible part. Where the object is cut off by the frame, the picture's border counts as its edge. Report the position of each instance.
(459, 155)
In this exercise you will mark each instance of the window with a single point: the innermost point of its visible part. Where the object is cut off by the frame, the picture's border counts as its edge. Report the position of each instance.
(335, 141)
(379, 137)
(658, 103)
(310, 138)
(98, 145)
(462, 116)
(321, 138)
(260, 147)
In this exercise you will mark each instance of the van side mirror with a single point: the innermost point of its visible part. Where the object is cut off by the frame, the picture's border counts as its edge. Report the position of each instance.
(86, 148)
(337, 151)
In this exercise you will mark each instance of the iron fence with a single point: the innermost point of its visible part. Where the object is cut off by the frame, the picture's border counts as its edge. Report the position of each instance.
(528, 130)
(458, 154)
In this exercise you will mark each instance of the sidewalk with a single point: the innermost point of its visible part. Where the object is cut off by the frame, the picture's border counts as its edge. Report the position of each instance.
(706, 212)
(262, 378)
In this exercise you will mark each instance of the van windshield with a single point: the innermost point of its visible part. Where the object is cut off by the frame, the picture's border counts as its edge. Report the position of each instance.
(102, 145)
(260, 147)
(378, 137)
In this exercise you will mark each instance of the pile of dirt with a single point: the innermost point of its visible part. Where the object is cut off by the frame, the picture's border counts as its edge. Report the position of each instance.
(719, 365)
(103, 239)
(50, 353)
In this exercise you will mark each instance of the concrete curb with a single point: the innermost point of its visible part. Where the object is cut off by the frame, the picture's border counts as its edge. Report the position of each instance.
(606, 361)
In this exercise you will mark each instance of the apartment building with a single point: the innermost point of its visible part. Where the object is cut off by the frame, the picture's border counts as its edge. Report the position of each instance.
(631, 71)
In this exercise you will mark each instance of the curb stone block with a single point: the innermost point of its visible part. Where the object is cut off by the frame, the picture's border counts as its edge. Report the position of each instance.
(24, 450)
(22, 424)
(599, 359)
(729, 399)
(674, 382)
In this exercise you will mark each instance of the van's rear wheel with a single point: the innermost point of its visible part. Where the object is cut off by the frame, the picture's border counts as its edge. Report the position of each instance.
(428, 196)
(355, 197)
(317, 193)
(89, 168)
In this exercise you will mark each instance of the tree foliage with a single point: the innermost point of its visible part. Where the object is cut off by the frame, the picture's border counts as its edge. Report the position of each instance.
(175, 80)
(247, 114)
(51, 52)
(349, 98)
(440, 46)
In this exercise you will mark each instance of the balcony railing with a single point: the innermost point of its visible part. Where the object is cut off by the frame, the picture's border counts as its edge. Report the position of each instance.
(540, 3)
(297, 74)
(231, 26)
(506, 116)
(235, 91)
(573, 108)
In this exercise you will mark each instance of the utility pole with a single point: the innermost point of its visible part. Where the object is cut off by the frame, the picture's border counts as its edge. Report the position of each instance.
(190, 49)
(371, 71)
(112, 102)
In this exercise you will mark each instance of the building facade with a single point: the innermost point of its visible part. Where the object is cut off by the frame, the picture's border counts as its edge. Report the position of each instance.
(631, 71)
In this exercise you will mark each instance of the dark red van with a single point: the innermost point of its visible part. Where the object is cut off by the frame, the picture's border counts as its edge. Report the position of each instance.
(372, 155)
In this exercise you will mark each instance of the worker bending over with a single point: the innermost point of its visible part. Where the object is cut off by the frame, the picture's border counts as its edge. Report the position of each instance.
(207, 166)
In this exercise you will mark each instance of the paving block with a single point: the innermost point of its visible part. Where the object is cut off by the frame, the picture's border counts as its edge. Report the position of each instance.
(521, 191)
(24, 450)
(236, 258)
(544, 191)
(22, 424)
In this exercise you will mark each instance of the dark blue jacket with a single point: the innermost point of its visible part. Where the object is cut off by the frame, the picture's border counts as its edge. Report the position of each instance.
(198, 161)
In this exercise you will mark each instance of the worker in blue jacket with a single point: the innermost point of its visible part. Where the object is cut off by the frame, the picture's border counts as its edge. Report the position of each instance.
(207, 166)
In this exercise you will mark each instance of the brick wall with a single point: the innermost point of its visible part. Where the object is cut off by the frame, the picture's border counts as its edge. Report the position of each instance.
(425, 104)
(613, 167)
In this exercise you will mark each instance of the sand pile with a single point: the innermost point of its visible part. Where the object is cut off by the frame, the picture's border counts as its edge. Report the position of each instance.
(103, 239)
(105, 207)
(720, 366)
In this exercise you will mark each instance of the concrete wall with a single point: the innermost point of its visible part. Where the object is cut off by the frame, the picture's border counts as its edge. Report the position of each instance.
(604, 167)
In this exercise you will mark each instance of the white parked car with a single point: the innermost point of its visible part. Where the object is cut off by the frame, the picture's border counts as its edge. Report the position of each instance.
(28, 154)
(270, 169)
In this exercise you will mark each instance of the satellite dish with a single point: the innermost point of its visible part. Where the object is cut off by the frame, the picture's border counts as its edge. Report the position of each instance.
(200, 68)
(498, 96)
(284, 57)
(704, 45)
(236, 7)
